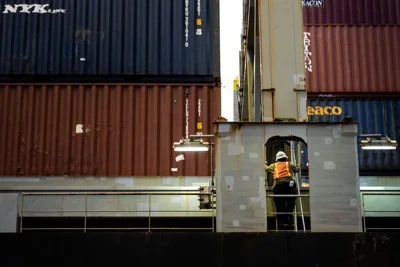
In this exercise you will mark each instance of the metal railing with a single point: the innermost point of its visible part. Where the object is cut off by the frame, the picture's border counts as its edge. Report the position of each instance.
(364, 210)
(86, 210)
(302, 213)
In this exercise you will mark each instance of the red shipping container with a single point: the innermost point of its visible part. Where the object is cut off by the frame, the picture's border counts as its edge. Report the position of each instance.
(351, 12)
(103, 130)
(341, 59)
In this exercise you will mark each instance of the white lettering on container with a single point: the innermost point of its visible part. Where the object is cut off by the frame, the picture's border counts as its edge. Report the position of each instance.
(198, 20)
(186, 23)
(31, 8)
(199, 107)
(187, 119)
(199, 8)
(313, 3)
(307, 52)
(326, 95)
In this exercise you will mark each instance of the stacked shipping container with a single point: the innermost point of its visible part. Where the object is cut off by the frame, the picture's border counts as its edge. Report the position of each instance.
(352, 13)
(374, 115)
(348, 60)
(352, 69)
(89, 123)
(103, 130)
(113, 38)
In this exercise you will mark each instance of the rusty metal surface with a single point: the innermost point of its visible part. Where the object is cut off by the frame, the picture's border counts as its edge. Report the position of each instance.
(103, 130)
(352, 59)
(354, 12)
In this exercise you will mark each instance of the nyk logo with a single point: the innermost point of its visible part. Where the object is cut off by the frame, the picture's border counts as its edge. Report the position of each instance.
(31, 9)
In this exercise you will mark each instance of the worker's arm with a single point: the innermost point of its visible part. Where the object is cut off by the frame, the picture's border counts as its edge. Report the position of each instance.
(269, 168)
(294, 168)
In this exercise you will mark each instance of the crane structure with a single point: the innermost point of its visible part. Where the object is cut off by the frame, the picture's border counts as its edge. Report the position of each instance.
(273, 117)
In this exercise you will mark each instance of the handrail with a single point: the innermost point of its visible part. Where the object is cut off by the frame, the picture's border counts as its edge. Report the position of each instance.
(364, 210)
(87, 210)
(167, 193)
(381, 193)
(288, 195)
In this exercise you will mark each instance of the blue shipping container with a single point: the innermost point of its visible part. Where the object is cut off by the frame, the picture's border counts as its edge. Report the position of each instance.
(110, 37)
(373, 116)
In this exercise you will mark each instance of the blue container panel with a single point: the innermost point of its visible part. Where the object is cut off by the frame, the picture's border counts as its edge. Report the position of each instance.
(110, 37)
(373, 116)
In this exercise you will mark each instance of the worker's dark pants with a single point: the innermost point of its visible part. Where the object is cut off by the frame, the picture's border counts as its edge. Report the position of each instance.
(285, 204)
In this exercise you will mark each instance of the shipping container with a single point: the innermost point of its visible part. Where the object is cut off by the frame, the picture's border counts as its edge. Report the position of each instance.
(352, 60)
(353, 12)
(104, 130)
(374, 116)
(106, 37)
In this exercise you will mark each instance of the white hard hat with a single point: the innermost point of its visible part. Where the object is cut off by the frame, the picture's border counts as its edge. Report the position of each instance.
(280, 155)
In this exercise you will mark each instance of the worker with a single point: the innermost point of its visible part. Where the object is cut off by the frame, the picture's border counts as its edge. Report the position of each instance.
(284, 184)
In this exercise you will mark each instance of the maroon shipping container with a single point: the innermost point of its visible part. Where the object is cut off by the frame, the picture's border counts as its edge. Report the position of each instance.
(103, 130)
(352, 12)
(342, 59)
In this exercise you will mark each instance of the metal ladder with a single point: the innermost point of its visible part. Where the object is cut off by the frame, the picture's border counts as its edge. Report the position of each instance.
(293, 147)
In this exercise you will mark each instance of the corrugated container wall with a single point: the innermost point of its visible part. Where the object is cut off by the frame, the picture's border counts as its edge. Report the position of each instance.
(374, 116)
(351, 60)
(105, 37)
(352, 12)
(103, 130)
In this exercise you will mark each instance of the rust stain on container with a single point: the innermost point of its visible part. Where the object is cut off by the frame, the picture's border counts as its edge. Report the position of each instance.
(352, 59)
(103, 130)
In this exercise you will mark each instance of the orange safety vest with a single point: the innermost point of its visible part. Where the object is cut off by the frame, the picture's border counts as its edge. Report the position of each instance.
(281, 169)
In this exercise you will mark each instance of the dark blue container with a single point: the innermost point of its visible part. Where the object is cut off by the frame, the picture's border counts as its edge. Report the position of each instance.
(110, 37)
(373, 116)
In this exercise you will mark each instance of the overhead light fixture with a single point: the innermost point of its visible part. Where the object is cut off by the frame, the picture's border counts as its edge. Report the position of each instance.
(378, 143)
(195, 143)
(189, 146)
(369, 147)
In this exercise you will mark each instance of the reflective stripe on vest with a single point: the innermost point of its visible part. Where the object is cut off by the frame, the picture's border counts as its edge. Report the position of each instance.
(281, 169)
